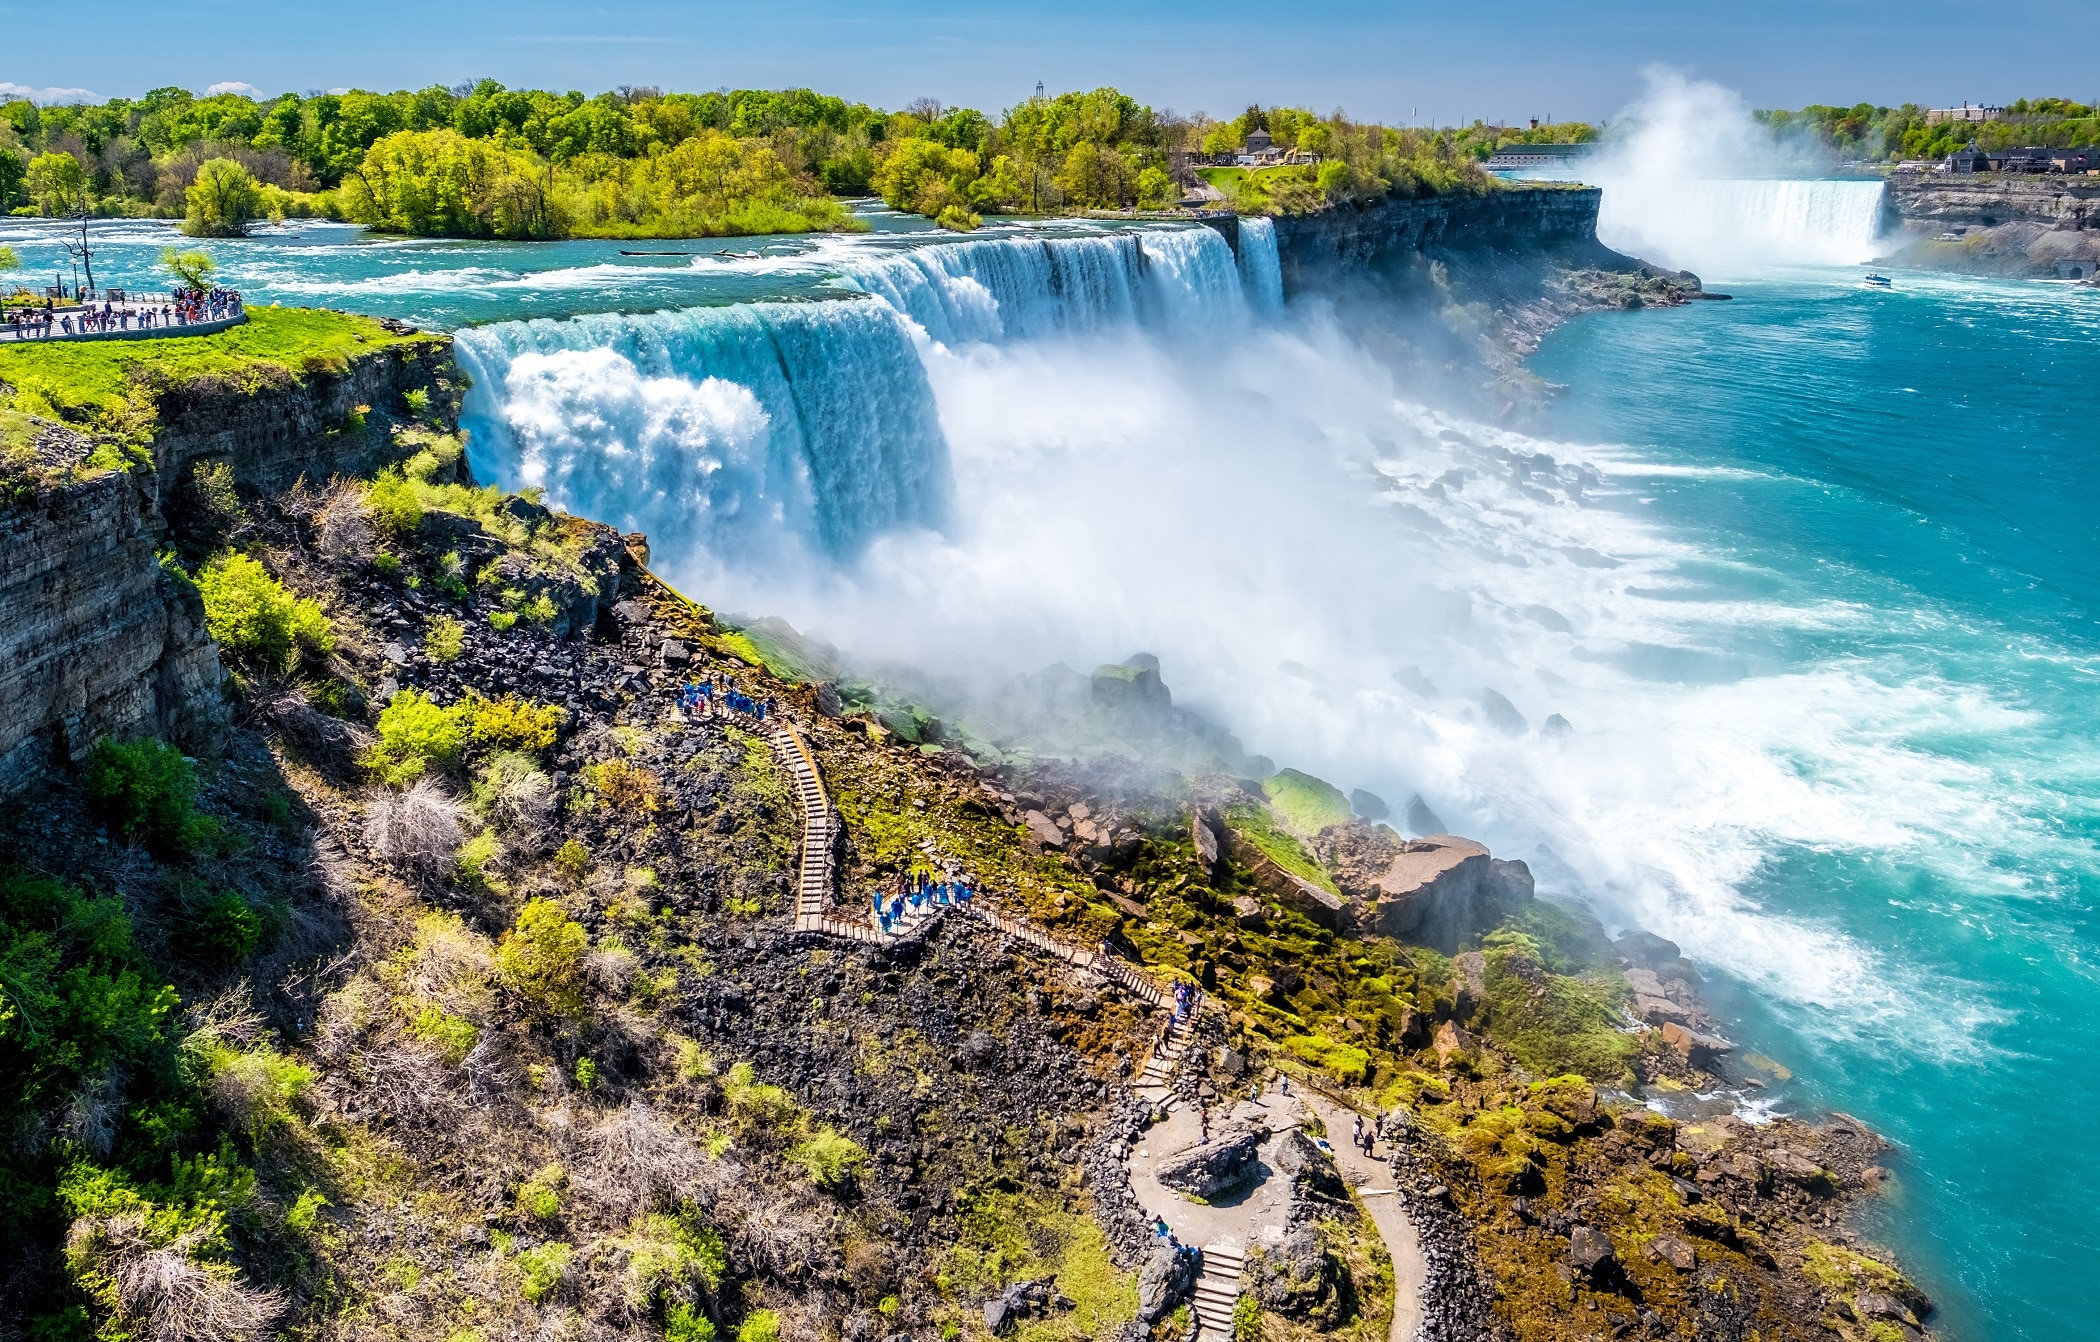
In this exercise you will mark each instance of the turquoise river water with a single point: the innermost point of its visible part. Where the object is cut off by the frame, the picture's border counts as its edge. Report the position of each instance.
(1814, 575)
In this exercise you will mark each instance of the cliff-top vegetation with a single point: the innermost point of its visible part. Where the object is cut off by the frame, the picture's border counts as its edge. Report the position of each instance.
(114, 388)
(1867, 131)
(487, 161)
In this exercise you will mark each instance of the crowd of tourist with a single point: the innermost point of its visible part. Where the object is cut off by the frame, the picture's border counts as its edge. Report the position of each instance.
(918, 892)
(715, 696)
(185, 307)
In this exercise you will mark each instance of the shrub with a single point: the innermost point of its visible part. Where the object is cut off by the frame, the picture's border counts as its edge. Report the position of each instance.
(513, 722)
(1246, 1319)
(224, 929)
(501, 620)
(683, 1323)
(304, 1217)
(573, 861)
(757, 1109)
(694, 1062)
(541, 957)
(255, 1087)
(255, 619)
(394, 504)
(475, 857)
(540, 610)
(417, 399)
(540, 1195)
(625, 787)
(830, 1159)
(343, 528)
(544, 1267)
(677, 1258)
(445, 639)
(516, 794)
(455, 1036)
(414, 733)
(760, 1325)
(146, 790)
(417, 831)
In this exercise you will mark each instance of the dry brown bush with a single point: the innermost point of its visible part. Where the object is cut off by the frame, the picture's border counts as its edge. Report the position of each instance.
(329, 744)
(632, 1158)
(416, 831)
(163, 1294)
(411, 1084)
(342, 525)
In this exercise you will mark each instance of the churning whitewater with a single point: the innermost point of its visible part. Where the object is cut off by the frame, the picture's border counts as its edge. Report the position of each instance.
(1010, 453)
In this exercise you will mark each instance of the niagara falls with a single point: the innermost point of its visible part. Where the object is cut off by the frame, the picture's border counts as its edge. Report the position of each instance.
(810, 712)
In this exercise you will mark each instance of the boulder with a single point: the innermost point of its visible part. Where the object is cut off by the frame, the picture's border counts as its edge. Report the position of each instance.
(1246, 911)
(1674, 1251)
(1295, 1278)
(1369, 805)
(1502, 715)
(1451, 1044)
(1212, 1167)
(1422, 820)
(1694, 1047)
(1206, 840)
(1297, 1157)
(1044, 830)
(1881, 1305)
(1163, 1283)
(1589, 1252)
(1469, 981)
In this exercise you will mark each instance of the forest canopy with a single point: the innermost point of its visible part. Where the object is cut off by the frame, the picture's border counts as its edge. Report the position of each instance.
(483, 160)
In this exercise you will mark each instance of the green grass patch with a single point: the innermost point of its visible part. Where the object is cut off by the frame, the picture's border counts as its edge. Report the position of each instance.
(1306, 804)
(114, 386)
(1008, 1237)
(1260, 828)
(1553, 1023)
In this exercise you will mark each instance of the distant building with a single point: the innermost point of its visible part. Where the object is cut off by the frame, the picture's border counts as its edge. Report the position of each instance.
(1934, 116)
(2075, 162)
(1537, 155)
(1260, 151)
(1968, 158)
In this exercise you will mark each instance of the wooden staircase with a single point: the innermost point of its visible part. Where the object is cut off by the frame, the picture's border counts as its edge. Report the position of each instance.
(1217, 1291)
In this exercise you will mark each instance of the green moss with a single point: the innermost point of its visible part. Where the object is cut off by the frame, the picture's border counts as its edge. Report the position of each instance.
(1259, 827)
(1306, 804)
(1552, 1023)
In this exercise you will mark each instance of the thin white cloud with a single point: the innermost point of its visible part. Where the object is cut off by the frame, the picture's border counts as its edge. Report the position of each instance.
(17, 92)
(241, 87)
(590, 37)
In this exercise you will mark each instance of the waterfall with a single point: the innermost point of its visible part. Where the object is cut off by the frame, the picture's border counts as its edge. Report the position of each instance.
(755, 430)
(1260, 272)
(768, 434)
(1737, 226)
(996, 289)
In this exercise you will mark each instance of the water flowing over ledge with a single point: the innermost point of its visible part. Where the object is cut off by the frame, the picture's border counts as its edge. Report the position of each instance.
(760, 432)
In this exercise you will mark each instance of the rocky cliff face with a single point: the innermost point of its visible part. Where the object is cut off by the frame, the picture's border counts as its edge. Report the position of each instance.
(1319, 251)
(1458, 291)
(2037, 227)
(94, 638)
(325, 421)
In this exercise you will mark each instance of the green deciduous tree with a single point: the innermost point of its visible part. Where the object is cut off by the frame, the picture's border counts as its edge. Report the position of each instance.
(57, 184)
(194, 268)
(222, 202)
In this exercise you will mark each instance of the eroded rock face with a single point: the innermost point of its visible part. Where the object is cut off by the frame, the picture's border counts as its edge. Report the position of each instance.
(94, 639)
(1434, 890)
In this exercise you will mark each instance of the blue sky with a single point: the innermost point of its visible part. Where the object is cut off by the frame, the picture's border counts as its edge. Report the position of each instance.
(1382, 61)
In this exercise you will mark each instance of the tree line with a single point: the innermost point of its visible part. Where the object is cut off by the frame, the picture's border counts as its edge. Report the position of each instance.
(1868, 132)
(483, 160)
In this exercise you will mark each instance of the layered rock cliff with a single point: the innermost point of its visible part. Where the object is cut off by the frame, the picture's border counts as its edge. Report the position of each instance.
(2043, 227)
(96, 637)
(1459, 290)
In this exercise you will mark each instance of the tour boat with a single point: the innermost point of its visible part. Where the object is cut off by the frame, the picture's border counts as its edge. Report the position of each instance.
(1878, 282)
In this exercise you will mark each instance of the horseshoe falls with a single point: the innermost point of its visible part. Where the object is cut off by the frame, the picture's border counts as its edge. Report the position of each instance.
(1810, 573)
(1727, 228)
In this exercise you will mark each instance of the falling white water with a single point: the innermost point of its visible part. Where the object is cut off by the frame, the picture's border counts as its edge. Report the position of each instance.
(1014, 453)
(1260, 271)
(1692, 181)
